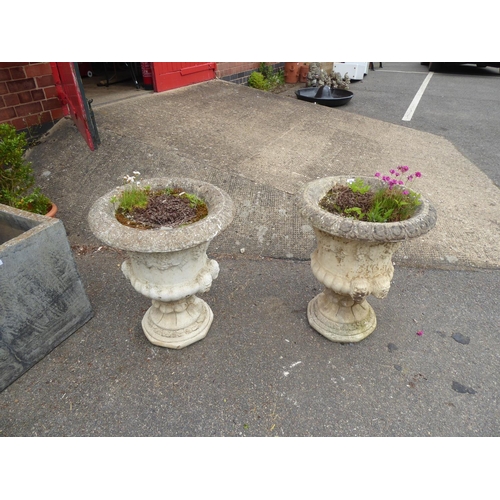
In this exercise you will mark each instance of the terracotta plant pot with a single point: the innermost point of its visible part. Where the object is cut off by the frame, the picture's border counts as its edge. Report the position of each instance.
(292, 72)
(353, 259)
(53, 210)
(169, 265)
(304, 69)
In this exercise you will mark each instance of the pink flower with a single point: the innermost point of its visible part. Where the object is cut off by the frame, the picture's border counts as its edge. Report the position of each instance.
(420, 333)
(392, 171)
(406, 191)
(377, 174)
(418, 174)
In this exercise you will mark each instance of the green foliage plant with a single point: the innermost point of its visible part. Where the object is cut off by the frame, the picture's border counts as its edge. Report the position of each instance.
(359, 186)
(266, 78)
(258, 81)
(134, 196)
(194, 201)
(16, 174)
(266, 70)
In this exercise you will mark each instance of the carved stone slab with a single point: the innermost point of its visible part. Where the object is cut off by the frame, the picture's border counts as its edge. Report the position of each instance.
(42, 299)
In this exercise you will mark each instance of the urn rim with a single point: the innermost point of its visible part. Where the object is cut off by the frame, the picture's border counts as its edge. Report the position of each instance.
(105, 226)
(311, 193)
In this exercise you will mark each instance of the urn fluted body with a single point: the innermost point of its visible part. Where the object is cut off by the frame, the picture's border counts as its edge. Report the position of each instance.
(353, 259)
(169, 265)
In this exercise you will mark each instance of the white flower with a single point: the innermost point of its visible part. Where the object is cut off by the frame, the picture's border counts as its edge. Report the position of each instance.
(136, 172)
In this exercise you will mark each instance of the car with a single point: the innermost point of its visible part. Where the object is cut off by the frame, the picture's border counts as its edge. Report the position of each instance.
(439, 66)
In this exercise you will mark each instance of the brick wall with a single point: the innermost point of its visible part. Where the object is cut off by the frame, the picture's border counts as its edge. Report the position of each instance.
(238, 72)
(28, 96)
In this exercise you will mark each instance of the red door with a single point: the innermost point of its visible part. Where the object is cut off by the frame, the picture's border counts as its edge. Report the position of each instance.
(171, 75)
(70, 90)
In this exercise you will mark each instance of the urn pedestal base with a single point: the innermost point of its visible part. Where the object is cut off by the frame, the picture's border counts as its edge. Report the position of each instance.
(339, 318)
(177, 324)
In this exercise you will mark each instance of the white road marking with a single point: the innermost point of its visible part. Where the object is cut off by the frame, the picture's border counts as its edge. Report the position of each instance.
(413, 106)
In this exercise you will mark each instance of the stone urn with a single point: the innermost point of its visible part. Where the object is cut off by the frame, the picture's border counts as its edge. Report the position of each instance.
(353, 259)
(169, 265)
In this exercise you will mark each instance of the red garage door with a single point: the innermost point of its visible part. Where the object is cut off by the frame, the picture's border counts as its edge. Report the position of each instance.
(172, 75)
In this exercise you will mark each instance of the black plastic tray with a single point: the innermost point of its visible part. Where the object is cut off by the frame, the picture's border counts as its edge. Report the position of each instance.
(324, 96)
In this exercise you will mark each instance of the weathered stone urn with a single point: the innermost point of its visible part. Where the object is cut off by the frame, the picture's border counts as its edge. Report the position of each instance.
(353, 259)
(169, 265)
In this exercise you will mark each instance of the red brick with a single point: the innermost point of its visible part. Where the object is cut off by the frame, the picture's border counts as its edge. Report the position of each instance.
(20, 85)
(50, 92)
(38, 95)
(7, 114)
(44, 117)
(57, 114)
(19, 123)
(32, 120)
(3, 88)
(4, 75)
(28, 109)
(38, 69)
(2, 102)
(17, 73)
(51, 103)
(25, 97)
(44, 81)
(12, 64)
(11, 99)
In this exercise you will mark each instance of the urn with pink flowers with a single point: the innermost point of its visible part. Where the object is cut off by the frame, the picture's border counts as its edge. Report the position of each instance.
(359, 223)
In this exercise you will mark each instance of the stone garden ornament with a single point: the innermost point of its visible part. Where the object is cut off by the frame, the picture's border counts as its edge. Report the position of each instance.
(170, 264)
(353, 259)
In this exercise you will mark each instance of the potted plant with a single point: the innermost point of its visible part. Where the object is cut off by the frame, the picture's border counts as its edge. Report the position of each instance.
(359, 223)
(166, 261)
(16, 175)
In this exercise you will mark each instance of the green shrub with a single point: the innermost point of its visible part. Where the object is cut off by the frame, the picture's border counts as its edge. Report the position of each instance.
(16, 175)
(266, 78)
(258, 81)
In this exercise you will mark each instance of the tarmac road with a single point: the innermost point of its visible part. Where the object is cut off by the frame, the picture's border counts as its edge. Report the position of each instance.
(459, 103)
